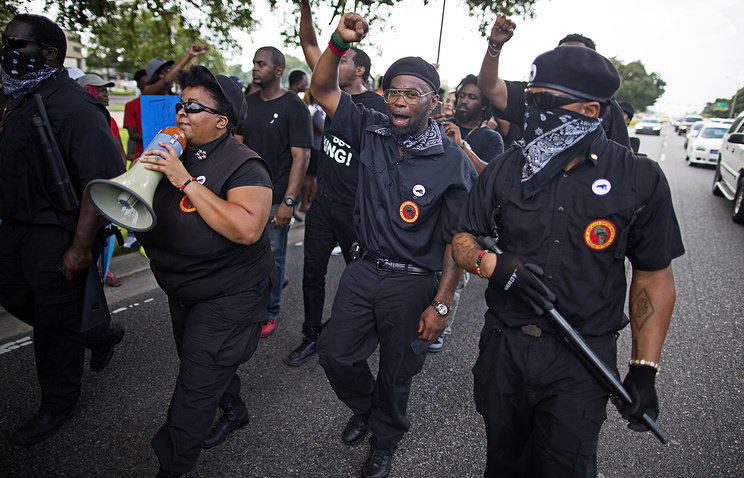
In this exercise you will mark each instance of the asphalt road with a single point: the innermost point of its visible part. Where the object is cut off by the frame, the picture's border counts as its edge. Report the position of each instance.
(296, 419)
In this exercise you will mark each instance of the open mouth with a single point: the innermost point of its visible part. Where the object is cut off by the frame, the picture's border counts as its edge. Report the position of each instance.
(400, 120)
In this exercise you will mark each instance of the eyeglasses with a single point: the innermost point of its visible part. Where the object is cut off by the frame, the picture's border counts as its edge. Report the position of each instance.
(18, 43)
(547, 100)
(410, 96)
(194, 107)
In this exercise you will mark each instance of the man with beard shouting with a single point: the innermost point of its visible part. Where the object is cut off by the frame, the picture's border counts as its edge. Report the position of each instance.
(412, 181)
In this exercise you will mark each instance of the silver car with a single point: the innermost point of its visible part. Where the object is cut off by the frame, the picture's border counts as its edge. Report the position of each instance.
(729, 178)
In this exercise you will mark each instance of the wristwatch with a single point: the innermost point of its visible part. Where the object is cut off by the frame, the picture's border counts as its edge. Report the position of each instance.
(441, 309)
(289, 201)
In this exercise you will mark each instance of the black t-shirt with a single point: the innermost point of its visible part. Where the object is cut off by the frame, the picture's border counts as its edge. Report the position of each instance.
(575, 229)
(406, 206)
(338, 168)
(190, 260)
(271, 129)
(613, 122)
(485, 142)
(82, 131)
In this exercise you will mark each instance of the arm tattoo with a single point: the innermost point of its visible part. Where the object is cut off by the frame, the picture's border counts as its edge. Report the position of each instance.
(465, 250)
(641, 309)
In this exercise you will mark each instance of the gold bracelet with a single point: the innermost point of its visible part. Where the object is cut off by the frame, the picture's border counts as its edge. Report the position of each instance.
(647, 363)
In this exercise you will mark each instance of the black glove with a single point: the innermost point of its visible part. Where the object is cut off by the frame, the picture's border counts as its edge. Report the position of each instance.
(514, 276)
(641, 386)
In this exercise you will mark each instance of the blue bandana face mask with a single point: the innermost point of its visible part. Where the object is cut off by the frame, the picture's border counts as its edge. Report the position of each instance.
(21, 73)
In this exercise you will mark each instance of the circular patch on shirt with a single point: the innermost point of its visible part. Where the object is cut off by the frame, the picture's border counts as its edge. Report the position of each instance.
(601, 186)
(533, 72)
(409, 211)
(186, 205)
(418, 190)
(201, 179)
(599, 234)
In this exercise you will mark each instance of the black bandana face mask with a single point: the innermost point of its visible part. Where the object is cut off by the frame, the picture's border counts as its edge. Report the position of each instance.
(551, 139)
(22, 73)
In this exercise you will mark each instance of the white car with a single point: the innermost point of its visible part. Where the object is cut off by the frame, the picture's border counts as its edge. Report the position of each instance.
(729, 178)
(648, 126)
(703, 148)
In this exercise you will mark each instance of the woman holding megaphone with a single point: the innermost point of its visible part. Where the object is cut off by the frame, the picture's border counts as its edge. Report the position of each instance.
(210, 254)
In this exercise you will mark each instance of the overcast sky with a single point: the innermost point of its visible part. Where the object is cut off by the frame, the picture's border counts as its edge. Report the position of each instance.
(696, 47)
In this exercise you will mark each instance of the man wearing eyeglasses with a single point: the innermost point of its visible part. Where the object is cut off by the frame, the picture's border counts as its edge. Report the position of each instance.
(568, 205)
(507, 100)
(412, 182)
(45, 248)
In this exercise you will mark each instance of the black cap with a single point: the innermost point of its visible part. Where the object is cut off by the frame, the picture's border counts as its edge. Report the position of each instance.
(578, 71)
(628, 108)
(414, 66)
(232, 93)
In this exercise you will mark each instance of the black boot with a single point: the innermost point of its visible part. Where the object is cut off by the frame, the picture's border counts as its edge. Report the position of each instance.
(377, 465)
(355, 429)
(302, 353)
(228, 422)
(41, 426)
(102, 349)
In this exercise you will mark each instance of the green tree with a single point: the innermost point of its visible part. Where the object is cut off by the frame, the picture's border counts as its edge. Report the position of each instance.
(637, 86)
(710, 112)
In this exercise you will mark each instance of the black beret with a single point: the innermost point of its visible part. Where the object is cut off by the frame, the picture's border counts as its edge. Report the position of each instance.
(627, 107)
(232, 93)
(414, 66)
(578, 71)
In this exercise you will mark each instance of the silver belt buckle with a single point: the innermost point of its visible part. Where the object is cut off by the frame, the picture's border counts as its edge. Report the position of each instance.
(532, 330)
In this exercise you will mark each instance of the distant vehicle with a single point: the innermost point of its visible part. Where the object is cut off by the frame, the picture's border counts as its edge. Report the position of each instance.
(726, 121)
(686, 122)
(648, 126)
(703, 148)
(729, 178)
(693, 131)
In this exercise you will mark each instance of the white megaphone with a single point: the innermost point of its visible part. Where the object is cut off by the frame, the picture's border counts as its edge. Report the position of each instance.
(126, 200)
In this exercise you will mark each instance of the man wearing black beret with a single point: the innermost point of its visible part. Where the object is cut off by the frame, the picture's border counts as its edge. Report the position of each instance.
(568, 206)
(412, 182)
(507, 99)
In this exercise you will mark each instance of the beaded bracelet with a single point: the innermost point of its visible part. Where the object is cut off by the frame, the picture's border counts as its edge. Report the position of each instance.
(183, 186)
(493, 48)
(478, 261)
(648, 363)
(338, 46)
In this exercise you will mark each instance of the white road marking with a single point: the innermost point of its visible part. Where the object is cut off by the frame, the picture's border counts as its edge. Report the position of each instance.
(120, 309)
(662, 157)
(16, 344)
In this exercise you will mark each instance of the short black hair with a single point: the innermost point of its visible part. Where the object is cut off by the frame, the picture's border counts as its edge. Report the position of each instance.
(139, 74)
(362, 59)
(473, 80)
(276, 56)
(296, 76)
(45, 31)
(588, 42)
(200, 76)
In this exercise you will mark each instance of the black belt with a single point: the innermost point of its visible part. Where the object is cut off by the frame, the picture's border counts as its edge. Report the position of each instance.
(387, 265)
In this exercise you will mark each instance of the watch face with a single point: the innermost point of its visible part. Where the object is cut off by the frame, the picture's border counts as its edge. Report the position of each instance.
(289, 201)
(442, 309)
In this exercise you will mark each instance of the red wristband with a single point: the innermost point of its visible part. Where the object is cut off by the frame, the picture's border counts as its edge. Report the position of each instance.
(183, 186)
(336, 49)
(478, 261)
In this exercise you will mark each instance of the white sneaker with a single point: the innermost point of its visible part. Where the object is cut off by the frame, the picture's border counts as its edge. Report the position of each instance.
(437, 345)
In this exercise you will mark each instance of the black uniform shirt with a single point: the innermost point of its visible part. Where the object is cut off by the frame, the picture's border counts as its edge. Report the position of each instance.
(574, 230)
(485, 142)
(271, 129)
(338, 169)
(81, 127)
(613, 122)
(406, 206)
(190, 260)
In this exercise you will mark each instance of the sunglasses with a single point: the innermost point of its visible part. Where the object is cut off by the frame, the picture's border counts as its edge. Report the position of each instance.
(18, 43)
(410, 96)
(193, 107)
(547, 101)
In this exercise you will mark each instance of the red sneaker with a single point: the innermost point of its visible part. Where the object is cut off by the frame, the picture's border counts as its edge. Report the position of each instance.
(268, 328)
